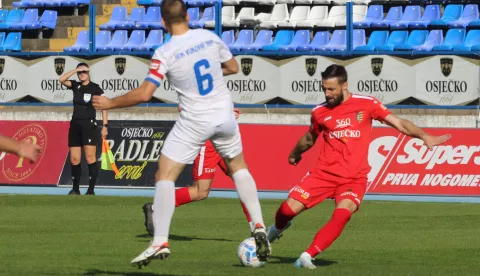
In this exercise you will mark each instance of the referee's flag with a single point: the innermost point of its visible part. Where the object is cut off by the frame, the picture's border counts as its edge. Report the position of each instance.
(108, 162)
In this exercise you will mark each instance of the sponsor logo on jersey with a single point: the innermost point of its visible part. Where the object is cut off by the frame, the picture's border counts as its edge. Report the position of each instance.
(246, 65)
(59, 64)
(311, 66)
(120, 64)
(304, 194)
(342, 123)
(446, 65)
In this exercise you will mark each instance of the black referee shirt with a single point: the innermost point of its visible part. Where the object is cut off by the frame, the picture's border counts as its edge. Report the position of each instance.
(82, 99)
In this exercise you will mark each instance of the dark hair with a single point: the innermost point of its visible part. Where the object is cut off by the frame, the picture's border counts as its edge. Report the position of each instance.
(173, 11)
(335, 71)
(82, 64)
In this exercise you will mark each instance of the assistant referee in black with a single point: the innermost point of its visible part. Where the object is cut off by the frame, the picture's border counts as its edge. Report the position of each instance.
(83, 126)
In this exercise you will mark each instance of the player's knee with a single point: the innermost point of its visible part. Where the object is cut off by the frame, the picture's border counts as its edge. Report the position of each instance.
(90, 159)
(347, 204)
(202, 194)
(74, 160)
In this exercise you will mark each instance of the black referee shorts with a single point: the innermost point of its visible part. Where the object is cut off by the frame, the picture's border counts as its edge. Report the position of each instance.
(82, 132)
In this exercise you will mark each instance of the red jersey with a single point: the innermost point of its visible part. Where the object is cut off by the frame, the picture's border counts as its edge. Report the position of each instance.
(346, 130)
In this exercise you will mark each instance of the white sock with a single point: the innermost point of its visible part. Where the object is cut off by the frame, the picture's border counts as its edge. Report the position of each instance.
(252, 226)
(153, 208)
(165, 201)
(247, 191)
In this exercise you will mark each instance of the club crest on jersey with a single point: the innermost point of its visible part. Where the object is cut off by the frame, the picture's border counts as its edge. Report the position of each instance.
(377, 65)
(359, 116)
(87, 97)
(2, 65)
(311, 66)
(59, 64)
(120, 64)
(446, 64)
(247, 65)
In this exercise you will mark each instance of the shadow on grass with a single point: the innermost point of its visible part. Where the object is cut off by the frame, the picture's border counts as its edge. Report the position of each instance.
(97, 272)
(291, 260)
(185, 238)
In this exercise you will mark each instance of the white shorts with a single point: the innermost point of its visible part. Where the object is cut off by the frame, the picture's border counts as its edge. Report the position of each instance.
(187, 138)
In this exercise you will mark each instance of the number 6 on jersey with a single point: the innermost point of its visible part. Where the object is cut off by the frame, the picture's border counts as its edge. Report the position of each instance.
(203, 65)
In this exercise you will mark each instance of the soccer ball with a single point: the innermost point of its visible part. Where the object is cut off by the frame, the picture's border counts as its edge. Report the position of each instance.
(247, 253)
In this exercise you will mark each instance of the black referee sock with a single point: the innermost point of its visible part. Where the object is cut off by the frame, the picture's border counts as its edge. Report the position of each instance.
(76, 175)
(93, 172)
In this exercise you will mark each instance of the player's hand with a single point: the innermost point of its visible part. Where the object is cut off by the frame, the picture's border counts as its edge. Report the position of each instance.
(82, 68)
(104, 132)
(433, 141)
(101, 103)
(237, 113)
(29, 151)
(179, 108)
(294, 160)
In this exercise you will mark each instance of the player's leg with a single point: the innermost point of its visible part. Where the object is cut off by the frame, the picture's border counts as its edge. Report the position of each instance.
(288, 210)
(74, 144)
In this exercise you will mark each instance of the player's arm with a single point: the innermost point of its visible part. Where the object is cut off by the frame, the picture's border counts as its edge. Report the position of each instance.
(64, 78)
(142, 94)
(305, 143)
(229, 63)
(230, 67)
(22, 149)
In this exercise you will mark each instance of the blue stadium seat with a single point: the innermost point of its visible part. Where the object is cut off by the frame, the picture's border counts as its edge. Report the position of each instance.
(48, 20)
(74, 3)
(435, 37)
(416, 38)
(167, 38)
(412, 13)
(393, 15)
(102, 39)
(81, 45)
(469, 14)
(13, 42)
(2, 38)
(208, 15)
(194, 14)
(136, 15)
(475, 24)
(156, 2)
(374, 14)
(476, 48)
(453, 37)
(29, 18)
(472, 39)
(144, 2)
(28, 4)
(394, 39)
(282, 38)
(337, 40)
(301, 39)
(377, 38)
(154, 39)
(137, 38)
(450, 13)
(264, 37)
(319, 40)
(245, 38)
(119, 39)
(51, 3)
(119, 17)
(195, 3)
(14, 16)
(228, 37)
(211, 2)
(432, 12)
(358, 41)
(3, 15)
(152, 20)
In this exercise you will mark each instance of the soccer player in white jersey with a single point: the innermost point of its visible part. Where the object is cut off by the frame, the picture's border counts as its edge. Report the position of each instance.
(195, 62)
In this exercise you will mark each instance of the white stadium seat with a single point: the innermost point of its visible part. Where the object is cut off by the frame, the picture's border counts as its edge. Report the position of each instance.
(299, 13)
(228, 14)
(336, 14)
(317, 14)
(247, 14)
(361, 2)
(339, 2)
(279, 14)
(359, 12)
(285, 2)
(231, 2)
(267, 2)
(303, 2)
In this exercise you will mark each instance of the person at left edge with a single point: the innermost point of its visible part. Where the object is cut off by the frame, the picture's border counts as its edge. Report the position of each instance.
(83, 126)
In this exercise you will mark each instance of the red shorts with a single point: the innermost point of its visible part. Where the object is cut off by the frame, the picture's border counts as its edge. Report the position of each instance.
(205, 165)
(312, 190)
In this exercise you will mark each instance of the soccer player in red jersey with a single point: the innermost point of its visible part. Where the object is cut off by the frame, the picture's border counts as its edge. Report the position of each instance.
(344, 123)
(204, 169)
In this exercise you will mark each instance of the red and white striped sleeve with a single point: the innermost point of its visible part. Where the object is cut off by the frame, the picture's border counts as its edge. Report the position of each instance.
(157, 70)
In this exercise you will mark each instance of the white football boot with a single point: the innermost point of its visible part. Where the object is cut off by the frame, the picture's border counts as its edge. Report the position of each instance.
(153, 252)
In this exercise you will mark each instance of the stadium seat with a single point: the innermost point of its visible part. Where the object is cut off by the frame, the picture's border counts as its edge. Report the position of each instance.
(286, 2)
(469, 14)
(156, 2)
(377, 38)
(2, 38)
(339, 2)
(137, 14)
(475, 24)
(450, 13)
(14, 16)
(211, 2)
(245, 15)
(228, 15)
(245, 38)
(29, 18)
(263, 17)
(144, 2)
(13, 42)
(337, 41)
(317, 14)
(359, 12)
(361, 2)
(374, 14)
(52, 3)
(358, 41)
(154, 39)
(136, 39)
(47, 20)
(279, 14)
(102, 39)
(194, 3)
(81, 45)
(152, 20)
(319, 40)
(416, 38)
(336, 15)
(194, 13)
(322, 2)
(28, 4)
(119, 17)
(432, 12)
(228, 37)
(454, 37)
(167, 38)
(119, 39)
(267, 2)
(74, 3)
(472, 39)
(394, 39)
(282, 38)
(264, 37)
(231, 2)
(303, 2)
(476, 48)
(393, 15)
(3, 15)
(411, 13)
(301, 39)
(435, 37)
(208, 15)
(299, 13)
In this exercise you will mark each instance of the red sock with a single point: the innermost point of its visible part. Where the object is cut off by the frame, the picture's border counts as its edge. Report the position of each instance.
(182, 196)
(247, 214)
(330, 232)
(284, 215)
